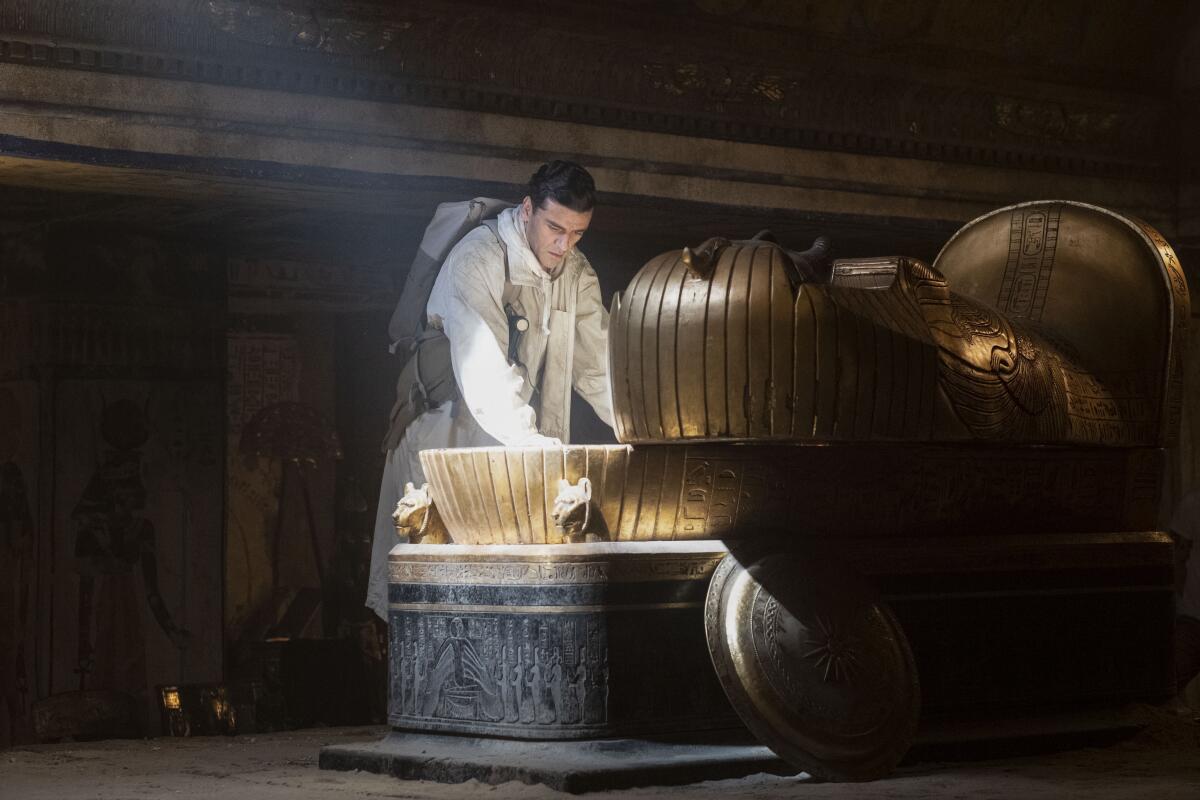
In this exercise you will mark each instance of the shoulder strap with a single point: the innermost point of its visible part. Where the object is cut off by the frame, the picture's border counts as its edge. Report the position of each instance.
(510, 291)
(449, 224)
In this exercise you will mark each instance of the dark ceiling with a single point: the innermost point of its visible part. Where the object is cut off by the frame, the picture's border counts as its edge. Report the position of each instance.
(773, 51)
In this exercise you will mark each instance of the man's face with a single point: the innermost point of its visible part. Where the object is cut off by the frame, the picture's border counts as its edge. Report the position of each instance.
(553, 230)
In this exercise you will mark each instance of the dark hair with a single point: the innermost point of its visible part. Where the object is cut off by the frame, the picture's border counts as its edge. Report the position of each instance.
(564, 182)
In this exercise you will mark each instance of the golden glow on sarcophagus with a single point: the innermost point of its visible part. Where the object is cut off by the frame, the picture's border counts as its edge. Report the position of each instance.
(1044, 323)
(1049, 323)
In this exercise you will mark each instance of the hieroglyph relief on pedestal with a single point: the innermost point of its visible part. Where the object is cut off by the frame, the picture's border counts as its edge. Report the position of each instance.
(515, 670)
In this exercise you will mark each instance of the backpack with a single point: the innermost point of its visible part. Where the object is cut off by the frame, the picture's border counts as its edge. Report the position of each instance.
(427, 375)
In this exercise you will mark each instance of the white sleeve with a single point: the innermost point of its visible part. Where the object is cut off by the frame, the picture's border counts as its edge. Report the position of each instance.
(590, 368)
(473, 319)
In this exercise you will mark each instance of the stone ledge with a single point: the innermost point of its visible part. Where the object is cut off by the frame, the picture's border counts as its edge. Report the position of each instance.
(574, 767)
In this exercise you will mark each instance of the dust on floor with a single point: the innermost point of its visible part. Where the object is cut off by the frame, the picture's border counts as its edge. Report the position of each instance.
(1162, 761)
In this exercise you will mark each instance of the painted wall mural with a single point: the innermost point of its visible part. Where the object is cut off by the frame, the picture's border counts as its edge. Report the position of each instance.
(262, 369)
(137, 537)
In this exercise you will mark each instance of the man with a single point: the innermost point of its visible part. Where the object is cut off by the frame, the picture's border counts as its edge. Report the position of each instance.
(527, 276)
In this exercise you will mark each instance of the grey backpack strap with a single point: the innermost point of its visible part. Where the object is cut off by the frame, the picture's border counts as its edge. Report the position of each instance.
(517, 324)
(510, 292)
(450, 223)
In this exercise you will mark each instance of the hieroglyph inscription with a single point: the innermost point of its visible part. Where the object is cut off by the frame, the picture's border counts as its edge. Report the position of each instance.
(728, 496)
(499, 670)
(1033, 239)
(1112, 408)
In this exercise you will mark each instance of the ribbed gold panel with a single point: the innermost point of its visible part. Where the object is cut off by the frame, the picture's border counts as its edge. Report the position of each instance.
(743, 354)
(500, 495)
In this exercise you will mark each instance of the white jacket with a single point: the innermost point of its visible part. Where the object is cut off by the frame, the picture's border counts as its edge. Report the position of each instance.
(567, 337)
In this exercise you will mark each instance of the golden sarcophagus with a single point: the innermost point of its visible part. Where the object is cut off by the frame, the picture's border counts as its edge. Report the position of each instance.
(1015, 334)
(917, 470)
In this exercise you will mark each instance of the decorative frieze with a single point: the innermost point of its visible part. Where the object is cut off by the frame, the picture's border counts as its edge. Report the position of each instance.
(461, 56)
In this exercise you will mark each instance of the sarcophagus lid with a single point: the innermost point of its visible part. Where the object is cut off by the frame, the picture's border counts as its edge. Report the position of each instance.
(1011, 336)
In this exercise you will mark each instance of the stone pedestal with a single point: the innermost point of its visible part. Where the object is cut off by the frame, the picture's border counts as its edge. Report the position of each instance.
(597, 650)
(580, 641)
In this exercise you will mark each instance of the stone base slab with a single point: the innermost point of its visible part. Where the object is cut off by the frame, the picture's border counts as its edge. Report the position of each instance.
(576, 767)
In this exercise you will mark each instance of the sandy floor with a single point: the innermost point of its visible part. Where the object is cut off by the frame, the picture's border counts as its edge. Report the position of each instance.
(1163, 761)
